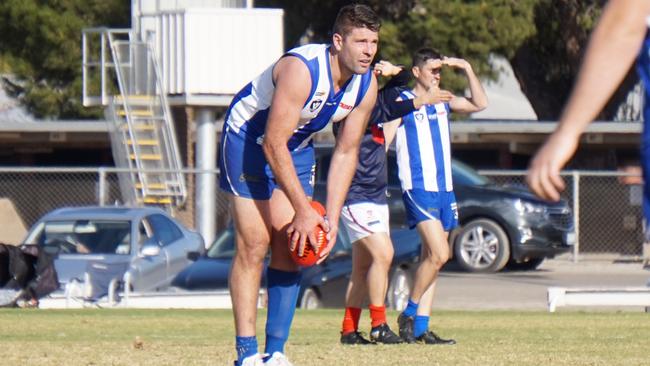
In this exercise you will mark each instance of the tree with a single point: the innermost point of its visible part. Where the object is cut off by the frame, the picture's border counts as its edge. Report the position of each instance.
(473, 30)
(470, 29)
(40, 44)
(543, 39)
(546, 65)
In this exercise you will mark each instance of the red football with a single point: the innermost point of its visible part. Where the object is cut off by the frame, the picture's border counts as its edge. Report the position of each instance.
(309, 256)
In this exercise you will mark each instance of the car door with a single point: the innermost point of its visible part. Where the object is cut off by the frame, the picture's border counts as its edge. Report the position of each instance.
(174, 246)
(151, 270)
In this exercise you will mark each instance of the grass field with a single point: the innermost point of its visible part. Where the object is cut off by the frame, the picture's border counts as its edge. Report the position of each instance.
(206, 337)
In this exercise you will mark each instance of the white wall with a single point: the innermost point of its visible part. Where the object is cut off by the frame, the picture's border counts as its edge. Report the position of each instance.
(506, 100)
(214, 51)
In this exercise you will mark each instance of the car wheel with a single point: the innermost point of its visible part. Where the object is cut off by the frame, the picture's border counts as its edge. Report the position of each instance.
(529, 265)
(399, 290)
(310, 299)
(482, 246)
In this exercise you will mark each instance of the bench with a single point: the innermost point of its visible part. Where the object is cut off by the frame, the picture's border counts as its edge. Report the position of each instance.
(597, 296)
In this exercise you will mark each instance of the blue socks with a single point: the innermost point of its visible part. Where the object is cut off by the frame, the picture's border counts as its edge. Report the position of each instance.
(420, 322)
(282, 290)
(246, 346)
(411, 309)
(420, 325)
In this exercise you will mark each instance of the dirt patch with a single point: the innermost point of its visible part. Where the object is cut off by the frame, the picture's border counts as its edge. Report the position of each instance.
(13, 229)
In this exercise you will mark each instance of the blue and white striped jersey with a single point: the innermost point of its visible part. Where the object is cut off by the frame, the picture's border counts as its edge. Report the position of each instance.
(643, 69)
(249, 110)
(424, 148)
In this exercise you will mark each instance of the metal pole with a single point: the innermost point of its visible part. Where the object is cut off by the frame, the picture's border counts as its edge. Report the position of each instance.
(206, 148)
(102, 66)
(576, 214)
(102, 186)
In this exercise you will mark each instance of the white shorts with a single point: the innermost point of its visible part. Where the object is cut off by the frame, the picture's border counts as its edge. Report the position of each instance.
(364, 219)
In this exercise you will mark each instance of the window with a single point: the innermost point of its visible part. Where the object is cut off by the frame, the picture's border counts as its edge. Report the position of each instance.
(86, 237)
(164, 230)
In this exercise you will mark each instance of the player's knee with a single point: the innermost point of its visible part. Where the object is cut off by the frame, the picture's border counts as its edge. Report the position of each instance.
(253, 251)
(361, 269)
(437, 260)
(384, 259)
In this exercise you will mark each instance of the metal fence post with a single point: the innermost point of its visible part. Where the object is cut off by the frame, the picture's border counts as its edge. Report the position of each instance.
(576, 214)
(101, 194)
(206, 156)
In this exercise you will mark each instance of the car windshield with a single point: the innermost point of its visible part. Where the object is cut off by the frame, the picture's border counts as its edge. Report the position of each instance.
(224, 245)
(85, 237)
(463, 174)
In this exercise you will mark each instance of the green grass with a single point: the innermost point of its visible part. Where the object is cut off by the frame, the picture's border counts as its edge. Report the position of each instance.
(206, 337)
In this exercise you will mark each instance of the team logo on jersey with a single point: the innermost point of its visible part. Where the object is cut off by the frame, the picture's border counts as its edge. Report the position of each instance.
(345, 106)
(371, 219)
(419, 117)
(433, 116)
(315, 104)
(249, 178)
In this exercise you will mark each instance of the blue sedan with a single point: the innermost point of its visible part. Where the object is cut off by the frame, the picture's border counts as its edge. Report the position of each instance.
(322, 285)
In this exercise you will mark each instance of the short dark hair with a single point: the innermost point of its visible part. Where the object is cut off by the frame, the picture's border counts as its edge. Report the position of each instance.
(356, 16)
(421, 56)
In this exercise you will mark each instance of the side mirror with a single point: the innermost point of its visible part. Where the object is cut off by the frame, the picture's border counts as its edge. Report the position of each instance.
(150, 248)
(193, 256)
(150, 251)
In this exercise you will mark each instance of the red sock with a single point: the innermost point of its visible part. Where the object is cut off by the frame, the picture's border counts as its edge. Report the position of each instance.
(377, 315)
(351, 320)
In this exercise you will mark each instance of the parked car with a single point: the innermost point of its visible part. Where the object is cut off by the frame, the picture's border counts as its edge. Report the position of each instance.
(150, 245)
(322, 285)
(498, 224)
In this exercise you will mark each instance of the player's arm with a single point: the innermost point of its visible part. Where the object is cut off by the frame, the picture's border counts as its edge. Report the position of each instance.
(397, 108)
(478, 100)
(390, 130)
(344, 160)
(292, 87)
(613, 47)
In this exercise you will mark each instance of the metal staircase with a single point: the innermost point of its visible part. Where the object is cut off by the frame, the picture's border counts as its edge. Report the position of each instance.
(142, 130)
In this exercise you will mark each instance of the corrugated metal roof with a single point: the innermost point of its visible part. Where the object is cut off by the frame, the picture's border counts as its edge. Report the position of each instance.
(54, 126)
(540, 127)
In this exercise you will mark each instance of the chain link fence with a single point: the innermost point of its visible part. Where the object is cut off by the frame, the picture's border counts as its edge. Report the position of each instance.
(607, 208)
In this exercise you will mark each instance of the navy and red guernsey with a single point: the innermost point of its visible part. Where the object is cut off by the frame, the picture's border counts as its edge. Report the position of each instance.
(371, 177)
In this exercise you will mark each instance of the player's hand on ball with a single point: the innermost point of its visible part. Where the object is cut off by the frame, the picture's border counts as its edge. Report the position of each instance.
(304, 254)
(331, 240)
(301, 230)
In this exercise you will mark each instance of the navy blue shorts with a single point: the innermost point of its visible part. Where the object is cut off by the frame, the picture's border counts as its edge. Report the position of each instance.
(423, 205)
(245, 172)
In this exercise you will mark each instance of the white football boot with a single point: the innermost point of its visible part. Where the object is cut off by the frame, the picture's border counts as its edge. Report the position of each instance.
(278, 359)
(254, 360)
